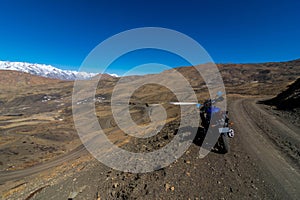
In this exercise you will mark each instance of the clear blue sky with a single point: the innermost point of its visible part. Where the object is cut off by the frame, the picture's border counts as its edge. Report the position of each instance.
(62, 33)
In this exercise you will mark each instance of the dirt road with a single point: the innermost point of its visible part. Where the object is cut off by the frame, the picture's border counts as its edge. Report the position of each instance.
(19, 174)
(258, 129)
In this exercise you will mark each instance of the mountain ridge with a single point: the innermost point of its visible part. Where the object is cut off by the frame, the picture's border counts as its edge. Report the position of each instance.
(47, 71)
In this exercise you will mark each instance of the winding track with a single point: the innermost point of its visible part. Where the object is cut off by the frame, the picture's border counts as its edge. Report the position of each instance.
(247, 114)
(72, 155)
(19, 174)
(243, 112)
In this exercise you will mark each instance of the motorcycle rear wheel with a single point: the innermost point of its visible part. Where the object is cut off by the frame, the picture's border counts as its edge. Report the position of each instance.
(225, 143)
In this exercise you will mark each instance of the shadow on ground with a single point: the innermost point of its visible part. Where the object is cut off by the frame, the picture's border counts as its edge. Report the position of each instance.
(199, 138)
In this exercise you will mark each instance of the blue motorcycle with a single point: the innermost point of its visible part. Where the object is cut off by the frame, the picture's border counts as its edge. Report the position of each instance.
(214, 119)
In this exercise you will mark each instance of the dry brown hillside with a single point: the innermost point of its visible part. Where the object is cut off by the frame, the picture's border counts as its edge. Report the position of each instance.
(262, 78)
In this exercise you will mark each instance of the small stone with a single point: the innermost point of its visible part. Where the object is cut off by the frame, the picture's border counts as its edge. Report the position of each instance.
(167, 186)
(172, 188)
(98, 196)
(253, 186)
(187, 161)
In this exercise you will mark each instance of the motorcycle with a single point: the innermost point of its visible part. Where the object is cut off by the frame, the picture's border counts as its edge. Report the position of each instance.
(213, 119)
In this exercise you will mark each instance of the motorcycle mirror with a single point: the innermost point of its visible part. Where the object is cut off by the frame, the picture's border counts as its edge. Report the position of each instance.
(219, 93)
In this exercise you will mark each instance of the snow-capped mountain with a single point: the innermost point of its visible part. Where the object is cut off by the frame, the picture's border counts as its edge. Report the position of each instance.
(46, 70)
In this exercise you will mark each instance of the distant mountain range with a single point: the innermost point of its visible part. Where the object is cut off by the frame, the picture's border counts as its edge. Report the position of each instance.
(46, 71)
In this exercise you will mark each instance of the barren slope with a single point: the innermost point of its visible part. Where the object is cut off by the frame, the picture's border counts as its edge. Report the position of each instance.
(37, 127)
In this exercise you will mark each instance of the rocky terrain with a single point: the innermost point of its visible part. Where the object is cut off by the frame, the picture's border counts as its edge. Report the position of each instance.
(286, 104)
(288, 99)
(42, 156)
